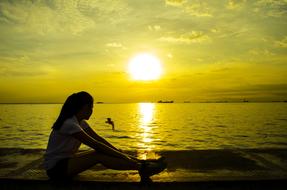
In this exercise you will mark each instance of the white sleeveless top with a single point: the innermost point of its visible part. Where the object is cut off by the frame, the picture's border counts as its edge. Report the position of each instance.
(61, 142)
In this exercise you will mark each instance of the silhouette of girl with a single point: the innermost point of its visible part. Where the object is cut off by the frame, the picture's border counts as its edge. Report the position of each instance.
(62, 158)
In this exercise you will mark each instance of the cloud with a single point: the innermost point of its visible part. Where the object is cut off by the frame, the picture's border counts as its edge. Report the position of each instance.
(281, 43)
(169, 55)
(269, 87)
(254, 91)
(111, 11)
(45, 17)
(154, 27)
(271, 2)
(21, 70)
(115, 45)
(193, 37)
(194, 8)
(22, 73)
(175, 2)
(229, 32)
(272, 8)
(200, 9)
(261, 52)
(235, 4)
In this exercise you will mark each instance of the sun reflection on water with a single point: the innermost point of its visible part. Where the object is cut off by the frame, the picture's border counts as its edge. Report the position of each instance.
(146, 111)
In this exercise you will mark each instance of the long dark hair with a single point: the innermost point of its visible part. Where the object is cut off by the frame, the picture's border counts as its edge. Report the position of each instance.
(72, 105)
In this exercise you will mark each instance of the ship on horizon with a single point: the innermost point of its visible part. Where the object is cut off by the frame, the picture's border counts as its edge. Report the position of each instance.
(161, 101)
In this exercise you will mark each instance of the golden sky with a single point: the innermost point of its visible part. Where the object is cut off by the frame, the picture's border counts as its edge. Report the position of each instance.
(209, 49)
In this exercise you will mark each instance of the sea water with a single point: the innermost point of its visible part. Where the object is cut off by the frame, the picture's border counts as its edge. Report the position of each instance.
(154, 126)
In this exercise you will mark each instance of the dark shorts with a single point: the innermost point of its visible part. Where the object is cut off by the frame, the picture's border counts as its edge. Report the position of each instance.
(59, 171)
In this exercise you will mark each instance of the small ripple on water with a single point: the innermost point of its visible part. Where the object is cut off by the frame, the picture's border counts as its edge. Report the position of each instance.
(38, 134)
(269, 123)
(21, 130)
(273, 143)
(220, 126)
(158, 140)
(15, 139)
(117, 131)
(199, 140)
(278, 135)
(244, 136)
(218, 116)
(119, 137)
(171, 144)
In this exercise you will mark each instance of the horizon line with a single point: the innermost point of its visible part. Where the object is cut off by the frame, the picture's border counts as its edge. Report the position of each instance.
(174, 102)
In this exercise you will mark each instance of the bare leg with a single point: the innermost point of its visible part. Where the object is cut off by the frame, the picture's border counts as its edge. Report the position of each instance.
(87, 159)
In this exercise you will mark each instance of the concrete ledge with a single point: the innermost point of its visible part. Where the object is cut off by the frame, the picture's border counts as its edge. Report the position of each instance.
(224, 166)
(11, 184)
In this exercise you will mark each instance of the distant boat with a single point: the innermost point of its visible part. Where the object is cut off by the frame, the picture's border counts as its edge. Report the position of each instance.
(165, 101)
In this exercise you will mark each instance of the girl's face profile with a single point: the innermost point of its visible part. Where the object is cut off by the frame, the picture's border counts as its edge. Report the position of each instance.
(88, 110)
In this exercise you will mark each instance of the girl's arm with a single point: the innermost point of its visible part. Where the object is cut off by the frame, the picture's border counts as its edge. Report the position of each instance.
(83, 137)
(94, 135)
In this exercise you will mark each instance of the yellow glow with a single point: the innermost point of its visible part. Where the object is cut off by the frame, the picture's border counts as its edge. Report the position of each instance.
(41, 62)
(145, 67)
(147, 113)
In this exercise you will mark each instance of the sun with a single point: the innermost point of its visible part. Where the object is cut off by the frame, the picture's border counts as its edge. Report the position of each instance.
(145, 67)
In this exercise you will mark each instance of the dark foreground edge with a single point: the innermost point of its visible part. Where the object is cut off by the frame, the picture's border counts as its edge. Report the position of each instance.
(11, 184)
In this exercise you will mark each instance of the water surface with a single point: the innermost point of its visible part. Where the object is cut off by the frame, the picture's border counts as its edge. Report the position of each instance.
(152, 126)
